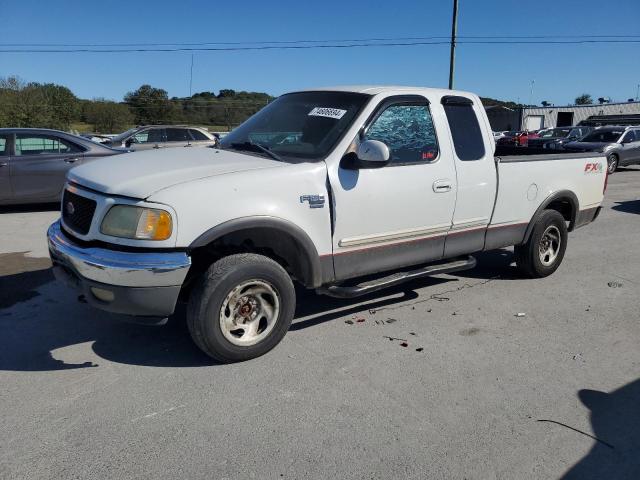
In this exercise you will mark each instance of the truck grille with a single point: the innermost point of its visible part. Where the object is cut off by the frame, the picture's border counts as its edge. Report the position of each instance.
(77, 212)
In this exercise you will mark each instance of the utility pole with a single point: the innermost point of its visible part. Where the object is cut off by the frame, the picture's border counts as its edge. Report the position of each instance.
(454, 32)
(191, 75)
(533, 82)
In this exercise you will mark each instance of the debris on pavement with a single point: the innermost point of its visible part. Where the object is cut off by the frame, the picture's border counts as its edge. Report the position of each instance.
(520, 314)
(419, 349)
(395, 338)
(404, 344)
(391, 320)
(615, 284)
(349, 322)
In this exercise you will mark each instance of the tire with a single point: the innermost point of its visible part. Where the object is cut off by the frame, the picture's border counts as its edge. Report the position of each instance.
(241, 307)
(613, 162)
(550, 230)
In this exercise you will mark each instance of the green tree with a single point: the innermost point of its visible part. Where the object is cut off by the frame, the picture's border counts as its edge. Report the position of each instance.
(584, 99)
(150, 105)
(107, 116)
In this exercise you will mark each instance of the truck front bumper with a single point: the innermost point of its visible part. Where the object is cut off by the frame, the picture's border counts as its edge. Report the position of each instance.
(133, 283)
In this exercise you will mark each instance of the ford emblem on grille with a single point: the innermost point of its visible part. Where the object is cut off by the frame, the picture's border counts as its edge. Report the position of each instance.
(70, 208)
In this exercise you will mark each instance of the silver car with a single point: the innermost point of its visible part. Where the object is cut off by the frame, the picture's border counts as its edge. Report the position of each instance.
(620, 144)
(34, 162)
(162, 136)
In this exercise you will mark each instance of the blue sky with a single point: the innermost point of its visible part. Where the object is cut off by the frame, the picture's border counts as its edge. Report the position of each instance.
(561, 72)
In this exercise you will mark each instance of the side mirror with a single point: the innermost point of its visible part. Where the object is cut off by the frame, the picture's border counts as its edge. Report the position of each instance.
(130, 141)
(370, 154)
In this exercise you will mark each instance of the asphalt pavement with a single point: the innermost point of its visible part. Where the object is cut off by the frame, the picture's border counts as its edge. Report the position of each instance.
(478, 375)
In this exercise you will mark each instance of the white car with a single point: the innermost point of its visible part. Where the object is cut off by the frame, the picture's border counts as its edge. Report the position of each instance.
(321, 187)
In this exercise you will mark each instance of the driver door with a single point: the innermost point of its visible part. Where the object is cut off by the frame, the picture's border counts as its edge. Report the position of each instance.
(398, 215)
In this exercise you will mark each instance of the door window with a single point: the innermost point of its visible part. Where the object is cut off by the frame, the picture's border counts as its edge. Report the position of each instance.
(153, 135)
(465, 129)
(407, 129)
(629, 137)
(4, 145)
(177, 135)
(27, 144)
(198, 135)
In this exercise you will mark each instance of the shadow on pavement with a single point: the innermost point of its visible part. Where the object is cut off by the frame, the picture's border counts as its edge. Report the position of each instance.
(38, 317)
(630, 206)
(492, 264)
(615, 420)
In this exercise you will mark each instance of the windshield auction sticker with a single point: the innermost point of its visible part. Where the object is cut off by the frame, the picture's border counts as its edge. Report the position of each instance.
(327, 112)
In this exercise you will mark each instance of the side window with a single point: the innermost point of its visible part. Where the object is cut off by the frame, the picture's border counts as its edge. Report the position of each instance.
(152, 135)
(27, 144)
(198, 135)
(465, 129)
(629, 137)
(4, 145)
(407, 129)
(177, 135)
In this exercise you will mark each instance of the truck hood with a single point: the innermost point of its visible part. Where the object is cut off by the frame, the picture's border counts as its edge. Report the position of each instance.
(140, 174)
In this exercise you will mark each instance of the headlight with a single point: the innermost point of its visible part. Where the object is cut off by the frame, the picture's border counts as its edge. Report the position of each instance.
(140, 223)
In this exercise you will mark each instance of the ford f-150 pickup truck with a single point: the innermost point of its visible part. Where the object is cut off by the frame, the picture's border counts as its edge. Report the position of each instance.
(344, 190)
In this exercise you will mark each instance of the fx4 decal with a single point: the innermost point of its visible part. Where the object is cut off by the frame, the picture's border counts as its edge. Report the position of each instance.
(593, 168)
(315, 201)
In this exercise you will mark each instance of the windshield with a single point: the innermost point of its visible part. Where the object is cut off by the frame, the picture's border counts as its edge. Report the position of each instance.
(603, 136)
(299, 125)
(555, 133)
(123, 135)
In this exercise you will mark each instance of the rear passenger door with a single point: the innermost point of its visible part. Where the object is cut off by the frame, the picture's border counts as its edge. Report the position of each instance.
(5, 178)
(40, 164)
(475, 172)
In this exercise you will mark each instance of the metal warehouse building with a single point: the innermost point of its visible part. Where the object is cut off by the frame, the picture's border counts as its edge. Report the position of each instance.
(528, 118)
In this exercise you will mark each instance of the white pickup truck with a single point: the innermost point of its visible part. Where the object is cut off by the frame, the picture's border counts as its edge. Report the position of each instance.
(321, 187)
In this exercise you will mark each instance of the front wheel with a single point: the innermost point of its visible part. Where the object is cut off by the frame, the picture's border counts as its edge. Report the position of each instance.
(544, 251)
(241, 307)
(612, 163)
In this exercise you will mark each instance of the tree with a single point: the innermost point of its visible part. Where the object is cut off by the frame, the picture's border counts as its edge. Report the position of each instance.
(107, 116)
(584, 99)
(150, 105)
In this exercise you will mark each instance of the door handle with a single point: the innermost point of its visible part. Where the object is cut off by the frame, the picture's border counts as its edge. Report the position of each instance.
(71, 160)
(442, 186)
(3, 164)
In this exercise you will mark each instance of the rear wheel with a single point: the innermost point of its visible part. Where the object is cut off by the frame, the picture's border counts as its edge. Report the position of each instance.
(612, 163)
(544, 251)
(241, 307)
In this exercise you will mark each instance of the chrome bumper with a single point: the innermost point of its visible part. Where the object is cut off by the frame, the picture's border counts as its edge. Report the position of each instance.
(133, 283)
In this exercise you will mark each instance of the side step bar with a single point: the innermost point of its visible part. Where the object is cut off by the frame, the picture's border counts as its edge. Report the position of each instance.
(371, 286)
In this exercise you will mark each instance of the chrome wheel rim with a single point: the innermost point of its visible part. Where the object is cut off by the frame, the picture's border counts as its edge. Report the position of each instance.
(249, 312)
(549, 246)
(612, 164)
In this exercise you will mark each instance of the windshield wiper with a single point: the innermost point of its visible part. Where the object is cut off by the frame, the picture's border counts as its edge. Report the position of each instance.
(253, 146)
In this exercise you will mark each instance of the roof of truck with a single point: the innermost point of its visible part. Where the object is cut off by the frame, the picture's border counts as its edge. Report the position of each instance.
(376, 89)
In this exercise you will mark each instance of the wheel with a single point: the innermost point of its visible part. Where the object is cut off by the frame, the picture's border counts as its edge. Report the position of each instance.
(241, 307)
(612, 163)
(544, 251)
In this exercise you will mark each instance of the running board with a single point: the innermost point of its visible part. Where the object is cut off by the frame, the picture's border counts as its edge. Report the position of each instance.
(371, 286)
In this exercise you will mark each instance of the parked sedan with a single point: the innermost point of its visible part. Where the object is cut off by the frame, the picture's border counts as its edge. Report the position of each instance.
(553, 138)
(162, 136)
(34, 162)
(620, 144)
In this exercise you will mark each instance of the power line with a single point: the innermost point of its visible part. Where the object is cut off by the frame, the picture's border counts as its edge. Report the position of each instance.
(343, 40)
(308, 47)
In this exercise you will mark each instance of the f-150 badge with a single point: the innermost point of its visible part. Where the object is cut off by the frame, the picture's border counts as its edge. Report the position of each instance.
(315, 201)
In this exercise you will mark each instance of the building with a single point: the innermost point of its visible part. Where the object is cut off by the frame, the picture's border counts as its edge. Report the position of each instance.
(535, 118)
